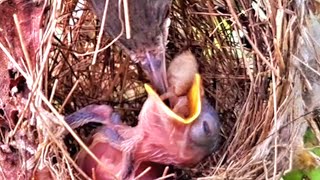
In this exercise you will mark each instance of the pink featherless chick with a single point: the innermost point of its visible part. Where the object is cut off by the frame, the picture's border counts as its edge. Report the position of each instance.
(106, 145)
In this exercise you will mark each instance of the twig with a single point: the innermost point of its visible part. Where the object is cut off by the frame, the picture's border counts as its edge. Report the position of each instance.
(53, 90)
(143, 173)
(69, 95)
(100, 32)
(24, 49)
(230, 6)
(126, 19)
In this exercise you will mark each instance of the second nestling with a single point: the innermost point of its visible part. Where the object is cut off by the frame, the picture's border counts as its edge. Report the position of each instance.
(181, 73)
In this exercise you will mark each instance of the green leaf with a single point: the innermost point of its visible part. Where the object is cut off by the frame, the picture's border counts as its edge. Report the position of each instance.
(313, 174)
(293, 175)
(309, 138)
(316, 151)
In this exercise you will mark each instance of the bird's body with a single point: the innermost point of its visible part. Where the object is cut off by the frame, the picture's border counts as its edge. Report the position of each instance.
(117, 162)
(149, 24)
(125, 150)
(181, 72)
(108, 145)
(147, 19)
(108, 153)
(105, 143)
(162, 139)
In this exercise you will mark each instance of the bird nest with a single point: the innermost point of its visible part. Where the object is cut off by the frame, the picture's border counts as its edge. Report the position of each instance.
(252, 59)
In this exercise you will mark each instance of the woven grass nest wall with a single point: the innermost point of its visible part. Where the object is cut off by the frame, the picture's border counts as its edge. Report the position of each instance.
(257, 59)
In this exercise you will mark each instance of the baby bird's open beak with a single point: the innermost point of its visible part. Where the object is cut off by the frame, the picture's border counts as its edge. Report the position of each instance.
(194, 102)
(169, 138)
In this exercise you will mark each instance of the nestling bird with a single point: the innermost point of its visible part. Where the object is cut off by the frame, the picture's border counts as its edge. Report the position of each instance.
(106, 145)
(161, 136)
(181, 72)
(149, 24)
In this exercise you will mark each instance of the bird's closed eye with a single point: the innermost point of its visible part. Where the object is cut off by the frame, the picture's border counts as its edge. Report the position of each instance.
(206, 128)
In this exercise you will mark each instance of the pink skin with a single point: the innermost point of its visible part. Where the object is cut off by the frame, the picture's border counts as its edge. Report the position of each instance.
(117, 162)
(106, 145)
(107, 154)
(157, 138)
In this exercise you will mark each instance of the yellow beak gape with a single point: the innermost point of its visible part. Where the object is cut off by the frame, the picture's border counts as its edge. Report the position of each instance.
(194, 98)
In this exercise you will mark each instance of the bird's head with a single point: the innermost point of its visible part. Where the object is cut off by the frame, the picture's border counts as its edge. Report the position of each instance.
(149, 23)
(205, 131)
(204, 123)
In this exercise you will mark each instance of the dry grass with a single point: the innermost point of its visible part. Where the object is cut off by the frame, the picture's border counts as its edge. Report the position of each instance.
(255, 82)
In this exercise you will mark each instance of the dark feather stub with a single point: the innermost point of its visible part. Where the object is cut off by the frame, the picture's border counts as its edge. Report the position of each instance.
(147, 21)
